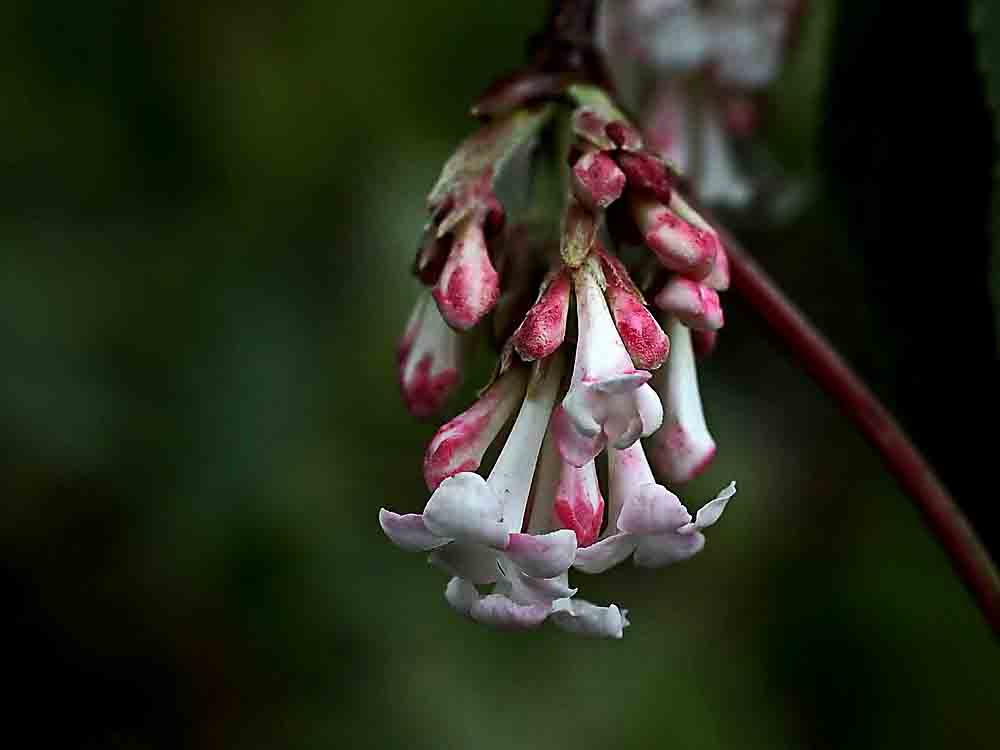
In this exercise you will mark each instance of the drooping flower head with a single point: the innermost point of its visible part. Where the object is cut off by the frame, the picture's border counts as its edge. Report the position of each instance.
(596, 309)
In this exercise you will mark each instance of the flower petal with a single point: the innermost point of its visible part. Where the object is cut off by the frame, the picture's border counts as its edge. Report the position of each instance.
(525, 589)
(463, 507)
(543, 555)
(664, 549)
(711, 511)
(471, 562)
(653, 510)
(583, 618)
(409, 532)
(605, 554)
(497, 611)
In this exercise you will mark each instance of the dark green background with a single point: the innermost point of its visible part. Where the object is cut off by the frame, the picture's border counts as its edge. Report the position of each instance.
(207, 214)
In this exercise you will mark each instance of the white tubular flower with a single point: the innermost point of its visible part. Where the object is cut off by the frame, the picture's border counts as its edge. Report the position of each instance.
(683, 448)
(428, 358)
(646, 519)
(608, 399)
(473, 526)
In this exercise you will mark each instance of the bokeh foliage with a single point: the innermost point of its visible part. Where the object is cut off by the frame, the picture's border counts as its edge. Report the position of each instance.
(208, 215)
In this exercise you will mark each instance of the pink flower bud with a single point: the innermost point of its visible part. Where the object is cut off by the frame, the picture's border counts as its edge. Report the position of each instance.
(642, 336)
(428, 357)
(544, 327)
(647, 174)
(696, 305)
(680, 245)
(469, 285)
(719, 278)
(624, 135)
(461, 443)
(597, 180)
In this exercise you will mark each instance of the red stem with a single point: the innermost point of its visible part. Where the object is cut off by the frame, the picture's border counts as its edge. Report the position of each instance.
(939, 510)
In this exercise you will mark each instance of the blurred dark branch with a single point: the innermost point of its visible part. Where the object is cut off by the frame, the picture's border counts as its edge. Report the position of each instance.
(942, 515)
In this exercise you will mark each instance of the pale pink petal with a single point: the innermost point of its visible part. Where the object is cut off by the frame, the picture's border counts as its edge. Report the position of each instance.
(525, 589)
(583, 618)
(711, 511)
(497, 611)
(409, 532)
(606, 553)
(653, 510)
(657, 551)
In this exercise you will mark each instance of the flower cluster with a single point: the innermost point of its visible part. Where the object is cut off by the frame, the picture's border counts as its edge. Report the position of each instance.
(710, 62)
(586, 369)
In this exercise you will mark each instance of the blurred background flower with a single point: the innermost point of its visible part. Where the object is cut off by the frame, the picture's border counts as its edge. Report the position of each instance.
(208, 217)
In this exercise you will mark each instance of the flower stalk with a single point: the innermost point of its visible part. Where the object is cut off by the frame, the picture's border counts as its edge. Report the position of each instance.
(817, 356)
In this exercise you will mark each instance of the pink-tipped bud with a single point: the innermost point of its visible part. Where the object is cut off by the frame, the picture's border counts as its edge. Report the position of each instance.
(696, 305)
(461, 443)
(678, 244)
(579, 505)
(647, 174)
(624, 135)
(428, 358)
(718, 278)
(597, 180)
(469, 285)
(645, 341)
(544, 327)
(704, 343)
